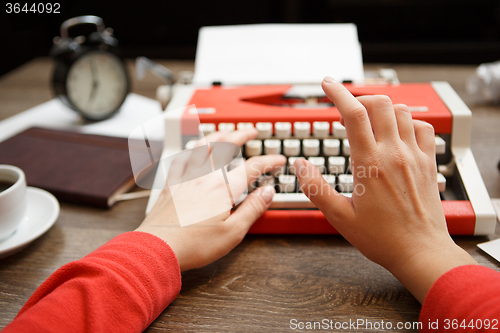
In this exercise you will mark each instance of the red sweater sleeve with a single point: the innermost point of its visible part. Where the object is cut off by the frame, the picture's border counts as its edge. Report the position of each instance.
(466, 296)
(121, 287)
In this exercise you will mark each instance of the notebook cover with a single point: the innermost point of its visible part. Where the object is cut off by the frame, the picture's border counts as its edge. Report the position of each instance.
(78, 168)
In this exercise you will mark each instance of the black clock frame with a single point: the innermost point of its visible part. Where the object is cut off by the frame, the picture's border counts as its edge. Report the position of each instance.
(67, 51)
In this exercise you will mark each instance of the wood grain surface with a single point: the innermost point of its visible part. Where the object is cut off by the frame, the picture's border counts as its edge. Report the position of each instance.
(267, 280)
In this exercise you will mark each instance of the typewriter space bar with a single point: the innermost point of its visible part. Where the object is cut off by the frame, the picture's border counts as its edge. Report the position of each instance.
(293, 200)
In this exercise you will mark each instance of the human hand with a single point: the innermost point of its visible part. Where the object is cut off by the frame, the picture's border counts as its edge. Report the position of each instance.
(395, 217)
(202, 243)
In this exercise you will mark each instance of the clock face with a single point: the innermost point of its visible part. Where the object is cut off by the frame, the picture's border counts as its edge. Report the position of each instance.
(97, 84)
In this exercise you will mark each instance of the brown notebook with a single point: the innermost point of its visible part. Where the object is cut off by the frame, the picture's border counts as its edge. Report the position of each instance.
(79, 168)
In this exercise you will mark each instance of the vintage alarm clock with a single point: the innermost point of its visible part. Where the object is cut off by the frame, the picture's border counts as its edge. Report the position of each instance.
(89, 76)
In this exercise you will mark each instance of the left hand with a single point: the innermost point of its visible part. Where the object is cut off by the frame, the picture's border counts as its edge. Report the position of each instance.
(202, 243)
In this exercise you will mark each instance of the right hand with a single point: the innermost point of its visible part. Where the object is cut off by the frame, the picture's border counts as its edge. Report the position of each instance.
(395, 217)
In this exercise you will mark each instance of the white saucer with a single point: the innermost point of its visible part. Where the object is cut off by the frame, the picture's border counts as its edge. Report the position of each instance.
(42, 210)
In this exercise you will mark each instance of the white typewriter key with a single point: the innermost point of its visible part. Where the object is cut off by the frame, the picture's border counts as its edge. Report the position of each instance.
(287, 183)
(346, 183)
(441, 182)
(291, 200)
(206, 129)
(349, 164)
(440, 145)
(265, 180)
(318, 162)
(190, 144)
(338, 130)
(310, 147)
(291, 168)
(330, 179)
(228, 127)
(242, 126)
(265, 130)
(336, 164)
(346, 148)
(282, 130)
(321, 129)
(253, 148)
(291, 147)
(272, 147)
(301, 129)
(331, 147)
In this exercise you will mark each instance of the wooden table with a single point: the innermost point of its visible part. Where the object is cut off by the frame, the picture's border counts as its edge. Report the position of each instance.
(267, 280)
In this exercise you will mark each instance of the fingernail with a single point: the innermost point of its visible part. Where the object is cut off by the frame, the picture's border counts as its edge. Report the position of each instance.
(328, 79)
(267, 193)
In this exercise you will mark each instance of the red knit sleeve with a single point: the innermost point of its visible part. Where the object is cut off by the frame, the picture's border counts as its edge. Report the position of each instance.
(465, 299)
(121, 287)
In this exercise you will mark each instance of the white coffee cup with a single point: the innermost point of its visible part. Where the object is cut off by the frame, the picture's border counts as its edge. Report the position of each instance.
(12, 199)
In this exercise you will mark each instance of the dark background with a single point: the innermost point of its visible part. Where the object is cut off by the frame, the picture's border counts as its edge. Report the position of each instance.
(390, 31)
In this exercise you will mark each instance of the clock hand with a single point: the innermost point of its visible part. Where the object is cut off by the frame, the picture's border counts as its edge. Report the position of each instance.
(95, 80)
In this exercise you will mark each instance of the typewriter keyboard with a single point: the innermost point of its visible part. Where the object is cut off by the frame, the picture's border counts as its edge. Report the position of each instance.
(323, 144)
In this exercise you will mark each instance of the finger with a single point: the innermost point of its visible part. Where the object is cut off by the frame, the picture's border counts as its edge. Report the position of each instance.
(405, 124)
(177, 166)
(199, 157)
(240, 177)
(382, 117)
(336, 207)
(212, 137)
(424, 133)
(354, 115)
(242, 136)
(256, 166)
(236, 137)
(255, 204)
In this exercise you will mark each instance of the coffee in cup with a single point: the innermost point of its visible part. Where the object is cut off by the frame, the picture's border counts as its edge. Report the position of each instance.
(12, 199)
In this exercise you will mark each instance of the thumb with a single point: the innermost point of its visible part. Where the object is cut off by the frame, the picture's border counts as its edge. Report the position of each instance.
(255, 204)
(335, 206)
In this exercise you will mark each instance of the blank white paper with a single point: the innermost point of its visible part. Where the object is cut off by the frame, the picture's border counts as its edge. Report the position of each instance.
(493, 247)
(278, 54)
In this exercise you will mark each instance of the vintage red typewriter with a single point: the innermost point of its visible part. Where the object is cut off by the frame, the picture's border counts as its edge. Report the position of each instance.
(267, 74)
(299, 121)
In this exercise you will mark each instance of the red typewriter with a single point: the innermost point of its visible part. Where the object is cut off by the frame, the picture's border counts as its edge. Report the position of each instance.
(300, 121)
